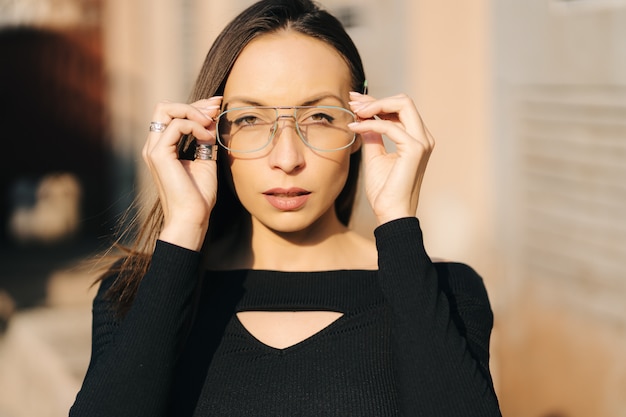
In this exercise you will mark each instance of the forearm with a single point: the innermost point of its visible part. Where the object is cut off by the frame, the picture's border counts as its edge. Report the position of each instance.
(131, 373)
(431, 355)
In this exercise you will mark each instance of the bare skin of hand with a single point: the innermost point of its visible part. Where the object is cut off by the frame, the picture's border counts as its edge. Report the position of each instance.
(187, 189)
(392, 179)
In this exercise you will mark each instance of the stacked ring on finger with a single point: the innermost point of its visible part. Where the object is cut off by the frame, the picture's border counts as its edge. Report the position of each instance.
(206, 152)
(157, 126)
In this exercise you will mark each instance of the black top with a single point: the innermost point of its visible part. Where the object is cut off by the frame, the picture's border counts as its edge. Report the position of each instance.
(413, 341)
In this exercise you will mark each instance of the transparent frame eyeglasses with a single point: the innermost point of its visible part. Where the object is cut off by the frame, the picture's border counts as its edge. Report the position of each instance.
(252, 128)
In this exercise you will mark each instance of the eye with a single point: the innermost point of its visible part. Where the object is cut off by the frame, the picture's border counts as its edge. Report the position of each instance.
(319, 118)
(247, 120)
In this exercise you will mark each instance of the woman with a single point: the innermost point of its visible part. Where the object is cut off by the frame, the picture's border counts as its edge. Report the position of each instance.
(246, 293)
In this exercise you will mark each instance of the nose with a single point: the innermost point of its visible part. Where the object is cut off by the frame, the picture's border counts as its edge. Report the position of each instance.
(287, 151)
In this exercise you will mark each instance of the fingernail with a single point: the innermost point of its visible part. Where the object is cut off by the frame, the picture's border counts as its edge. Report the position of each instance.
(205, 110)
(353, 124)
(356, 106)
(355, 93)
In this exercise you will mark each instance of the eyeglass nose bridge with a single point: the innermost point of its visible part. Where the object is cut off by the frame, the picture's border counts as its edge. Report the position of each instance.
(286, 116)
(277, 129)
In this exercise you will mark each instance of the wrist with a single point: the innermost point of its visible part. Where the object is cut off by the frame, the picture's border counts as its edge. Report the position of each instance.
(389, 217)
(189, 236)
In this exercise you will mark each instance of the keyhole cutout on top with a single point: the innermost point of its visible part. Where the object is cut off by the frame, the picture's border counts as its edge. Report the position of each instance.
(283, 329)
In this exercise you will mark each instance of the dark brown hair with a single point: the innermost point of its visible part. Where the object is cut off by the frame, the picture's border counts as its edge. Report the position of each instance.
(265, 16)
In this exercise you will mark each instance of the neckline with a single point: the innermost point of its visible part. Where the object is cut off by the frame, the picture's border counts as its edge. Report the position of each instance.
(337, 290)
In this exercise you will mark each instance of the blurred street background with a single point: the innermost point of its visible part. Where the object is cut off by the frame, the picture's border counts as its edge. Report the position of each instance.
(525, 98)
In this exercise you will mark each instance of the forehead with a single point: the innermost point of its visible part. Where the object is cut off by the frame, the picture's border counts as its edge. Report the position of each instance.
(286, 67)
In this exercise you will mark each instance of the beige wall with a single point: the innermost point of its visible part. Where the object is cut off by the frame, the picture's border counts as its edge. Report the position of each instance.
(561, 139)
(450, 66)
(450, 63)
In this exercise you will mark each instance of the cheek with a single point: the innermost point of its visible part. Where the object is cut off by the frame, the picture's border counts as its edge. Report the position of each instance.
(241, 177)
(334, 174)
(225, 172)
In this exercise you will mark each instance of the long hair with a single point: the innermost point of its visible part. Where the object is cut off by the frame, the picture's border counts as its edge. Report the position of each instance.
(263, 17)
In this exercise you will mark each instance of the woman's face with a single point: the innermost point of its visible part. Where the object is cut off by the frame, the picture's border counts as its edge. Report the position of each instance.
(288, 187)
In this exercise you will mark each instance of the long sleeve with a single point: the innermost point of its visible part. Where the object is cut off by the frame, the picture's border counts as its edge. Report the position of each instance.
(441, 327)
(132, 359)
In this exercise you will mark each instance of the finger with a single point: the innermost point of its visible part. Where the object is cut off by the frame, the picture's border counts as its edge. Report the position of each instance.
(394, 131)
(166, 144)
(201, 111)
(208, 101)
(357, 97)
(400, 105)
(372, 145)
(358, 101)
(207, 109)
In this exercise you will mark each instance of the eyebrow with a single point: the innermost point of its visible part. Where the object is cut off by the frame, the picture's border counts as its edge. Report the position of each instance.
(311, 102)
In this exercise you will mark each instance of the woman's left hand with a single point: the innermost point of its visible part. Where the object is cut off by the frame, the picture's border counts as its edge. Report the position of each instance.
(392, 179)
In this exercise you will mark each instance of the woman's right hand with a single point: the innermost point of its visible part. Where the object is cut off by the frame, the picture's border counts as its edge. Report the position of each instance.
(187, 189)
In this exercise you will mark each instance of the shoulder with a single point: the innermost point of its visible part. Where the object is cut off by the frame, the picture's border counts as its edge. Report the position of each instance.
(466, 293)
(460, 278)
(103, 301)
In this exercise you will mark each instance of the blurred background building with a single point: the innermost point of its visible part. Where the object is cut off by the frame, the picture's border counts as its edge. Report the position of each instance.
(527, 102)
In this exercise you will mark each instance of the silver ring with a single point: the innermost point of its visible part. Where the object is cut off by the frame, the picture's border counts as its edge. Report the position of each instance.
(157, 126)
(206, 152)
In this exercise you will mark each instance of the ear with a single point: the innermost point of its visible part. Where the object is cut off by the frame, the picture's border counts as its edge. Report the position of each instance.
(356, 145)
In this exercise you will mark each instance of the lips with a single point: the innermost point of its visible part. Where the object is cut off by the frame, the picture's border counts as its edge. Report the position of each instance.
(287, 199)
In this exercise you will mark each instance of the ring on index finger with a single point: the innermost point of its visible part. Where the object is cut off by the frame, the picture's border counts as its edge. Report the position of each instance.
(157, 127)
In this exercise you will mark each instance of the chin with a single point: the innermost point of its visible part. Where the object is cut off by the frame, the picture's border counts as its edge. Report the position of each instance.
(287, 225)
(291, 222)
